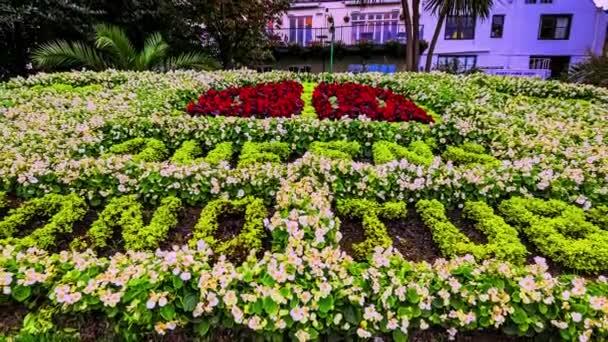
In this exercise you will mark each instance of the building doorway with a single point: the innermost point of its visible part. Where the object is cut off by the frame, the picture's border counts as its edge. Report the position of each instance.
(557, 64)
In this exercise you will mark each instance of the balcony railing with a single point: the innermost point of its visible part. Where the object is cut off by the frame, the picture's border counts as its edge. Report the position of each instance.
(376, 33)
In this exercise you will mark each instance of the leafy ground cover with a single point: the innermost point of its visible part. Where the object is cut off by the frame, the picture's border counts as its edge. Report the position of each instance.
(123, 216)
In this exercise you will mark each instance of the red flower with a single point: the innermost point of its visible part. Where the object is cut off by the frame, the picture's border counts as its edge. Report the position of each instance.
(262, 100)
(333, 101)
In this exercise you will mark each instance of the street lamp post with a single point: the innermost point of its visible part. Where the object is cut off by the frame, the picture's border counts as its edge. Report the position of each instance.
(332, 30)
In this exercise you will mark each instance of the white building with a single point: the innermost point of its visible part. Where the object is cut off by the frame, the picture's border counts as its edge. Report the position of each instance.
(519, 35)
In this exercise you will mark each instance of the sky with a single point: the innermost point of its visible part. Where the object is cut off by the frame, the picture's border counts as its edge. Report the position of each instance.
(603, 3)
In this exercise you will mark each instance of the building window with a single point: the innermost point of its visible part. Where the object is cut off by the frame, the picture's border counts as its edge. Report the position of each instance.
(460, 27)
(498, 25)
(555, 26)
(300, 30)
(541, 1)
(457, 63)
(375, 27)
(530, 1)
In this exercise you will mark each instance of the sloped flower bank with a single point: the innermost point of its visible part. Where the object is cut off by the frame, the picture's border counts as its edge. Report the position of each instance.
(108, 161)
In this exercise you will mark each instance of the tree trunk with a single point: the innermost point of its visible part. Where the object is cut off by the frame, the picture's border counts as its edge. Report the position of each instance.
(409, 36)
(416, 35)
(429, 57)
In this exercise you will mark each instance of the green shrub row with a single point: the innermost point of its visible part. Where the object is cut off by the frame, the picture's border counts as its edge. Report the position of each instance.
(417, 152)
(336, 149)
(63, 211)
(251, 234)
(309, 110)
(503, 241)
(263, 152)
(375, 232)
(469, 153)
(190, 151)
(560, 231)
(142, 149)
(126, 213)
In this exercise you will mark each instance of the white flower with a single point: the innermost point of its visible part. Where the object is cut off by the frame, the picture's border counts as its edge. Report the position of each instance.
(576, 317)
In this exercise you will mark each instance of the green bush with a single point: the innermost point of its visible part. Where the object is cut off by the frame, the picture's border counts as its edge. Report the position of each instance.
(190, 151)
(126, 213)
(560, 231)
(142, 149)
(335, 149)
(251, 234)
(503, 241)
(263, 152)
(63, 211)
(469, 153)
(417, 153)
(374, 230)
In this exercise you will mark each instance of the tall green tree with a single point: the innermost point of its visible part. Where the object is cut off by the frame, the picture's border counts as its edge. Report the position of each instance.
(234, 29)
(114, 49)
(444, 8)
(27, 23)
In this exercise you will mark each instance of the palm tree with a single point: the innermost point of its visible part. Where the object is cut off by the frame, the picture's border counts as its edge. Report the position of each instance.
(593, 70)
(443, 8)
(113, 49)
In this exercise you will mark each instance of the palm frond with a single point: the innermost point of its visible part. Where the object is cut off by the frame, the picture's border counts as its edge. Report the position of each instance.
(114, 40)
(591, 71)
(61, 54)
(191, 60)
(475, 8)
(155, 51)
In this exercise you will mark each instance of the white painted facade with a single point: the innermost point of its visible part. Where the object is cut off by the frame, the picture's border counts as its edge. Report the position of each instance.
(519, 48)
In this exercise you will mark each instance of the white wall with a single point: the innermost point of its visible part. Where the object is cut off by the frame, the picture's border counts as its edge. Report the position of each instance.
(520, 36)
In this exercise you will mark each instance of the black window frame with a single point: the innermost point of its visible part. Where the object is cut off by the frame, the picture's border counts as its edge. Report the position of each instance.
(502, 26)
(449, 56)
(461, 28)
(554, 17)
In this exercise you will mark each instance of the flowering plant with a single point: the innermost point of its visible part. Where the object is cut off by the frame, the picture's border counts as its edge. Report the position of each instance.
(274, 100)
(334, 101)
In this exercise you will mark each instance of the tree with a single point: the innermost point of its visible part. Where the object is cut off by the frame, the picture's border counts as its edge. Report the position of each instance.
(234, 29)
(443, 8)
(27, 23)
(113, 49)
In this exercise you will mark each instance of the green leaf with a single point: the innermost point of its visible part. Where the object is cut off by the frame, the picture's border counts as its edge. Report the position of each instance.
(412, 296)
(21, 293)
(519, 316)
(167, 312)
(270, 306)
(202, 328)
(326, 304)
(399, 336)
(190, 301)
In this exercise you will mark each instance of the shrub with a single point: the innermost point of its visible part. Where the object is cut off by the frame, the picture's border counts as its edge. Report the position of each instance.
(503, 242)
(560, 231)
(251, 234)
(335, 149)
(142, 149)
(417, 153)
(263, 152)
(190, 150)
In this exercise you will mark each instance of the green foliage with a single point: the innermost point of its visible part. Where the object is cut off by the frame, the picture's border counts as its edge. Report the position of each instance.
(417, 153)
(560, 231)
(335, 149)
(63, 211)
(113, 49)
(309, 110)
(251, 234)
(143, 149)
(127, 213)
(374, 230)
(503, 241)
(469, 153)
(593, 70)
(263, 152)
(190, 150)
(599, 216)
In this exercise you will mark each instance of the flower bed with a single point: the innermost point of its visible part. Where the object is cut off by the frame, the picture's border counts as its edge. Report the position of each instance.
(353, 228)
(335, 101)
(270, 100)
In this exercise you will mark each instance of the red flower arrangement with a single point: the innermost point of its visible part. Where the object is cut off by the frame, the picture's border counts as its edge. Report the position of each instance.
(334, 101)
(266, 100)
